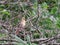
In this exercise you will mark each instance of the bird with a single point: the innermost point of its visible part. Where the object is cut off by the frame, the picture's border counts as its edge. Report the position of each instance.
(21, 26)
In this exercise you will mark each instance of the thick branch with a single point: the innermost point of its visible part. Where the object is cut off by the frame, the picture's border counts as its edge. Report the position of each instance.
(50, 39)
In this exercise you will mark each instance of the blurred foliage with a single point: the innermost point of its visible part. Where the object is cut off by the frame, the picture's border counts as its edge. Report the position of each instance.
(49, 18)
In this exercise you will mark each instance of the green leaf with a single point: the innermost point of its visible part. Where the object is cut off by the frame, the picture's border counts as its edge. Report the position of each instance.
(54, 10)
(1, 7)
(20, 40)
(15, 21)
(46, 34)
(5, 12)
(28, 40)
(44, 5)
(4, 17)
(58, 23)
(36, 35)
